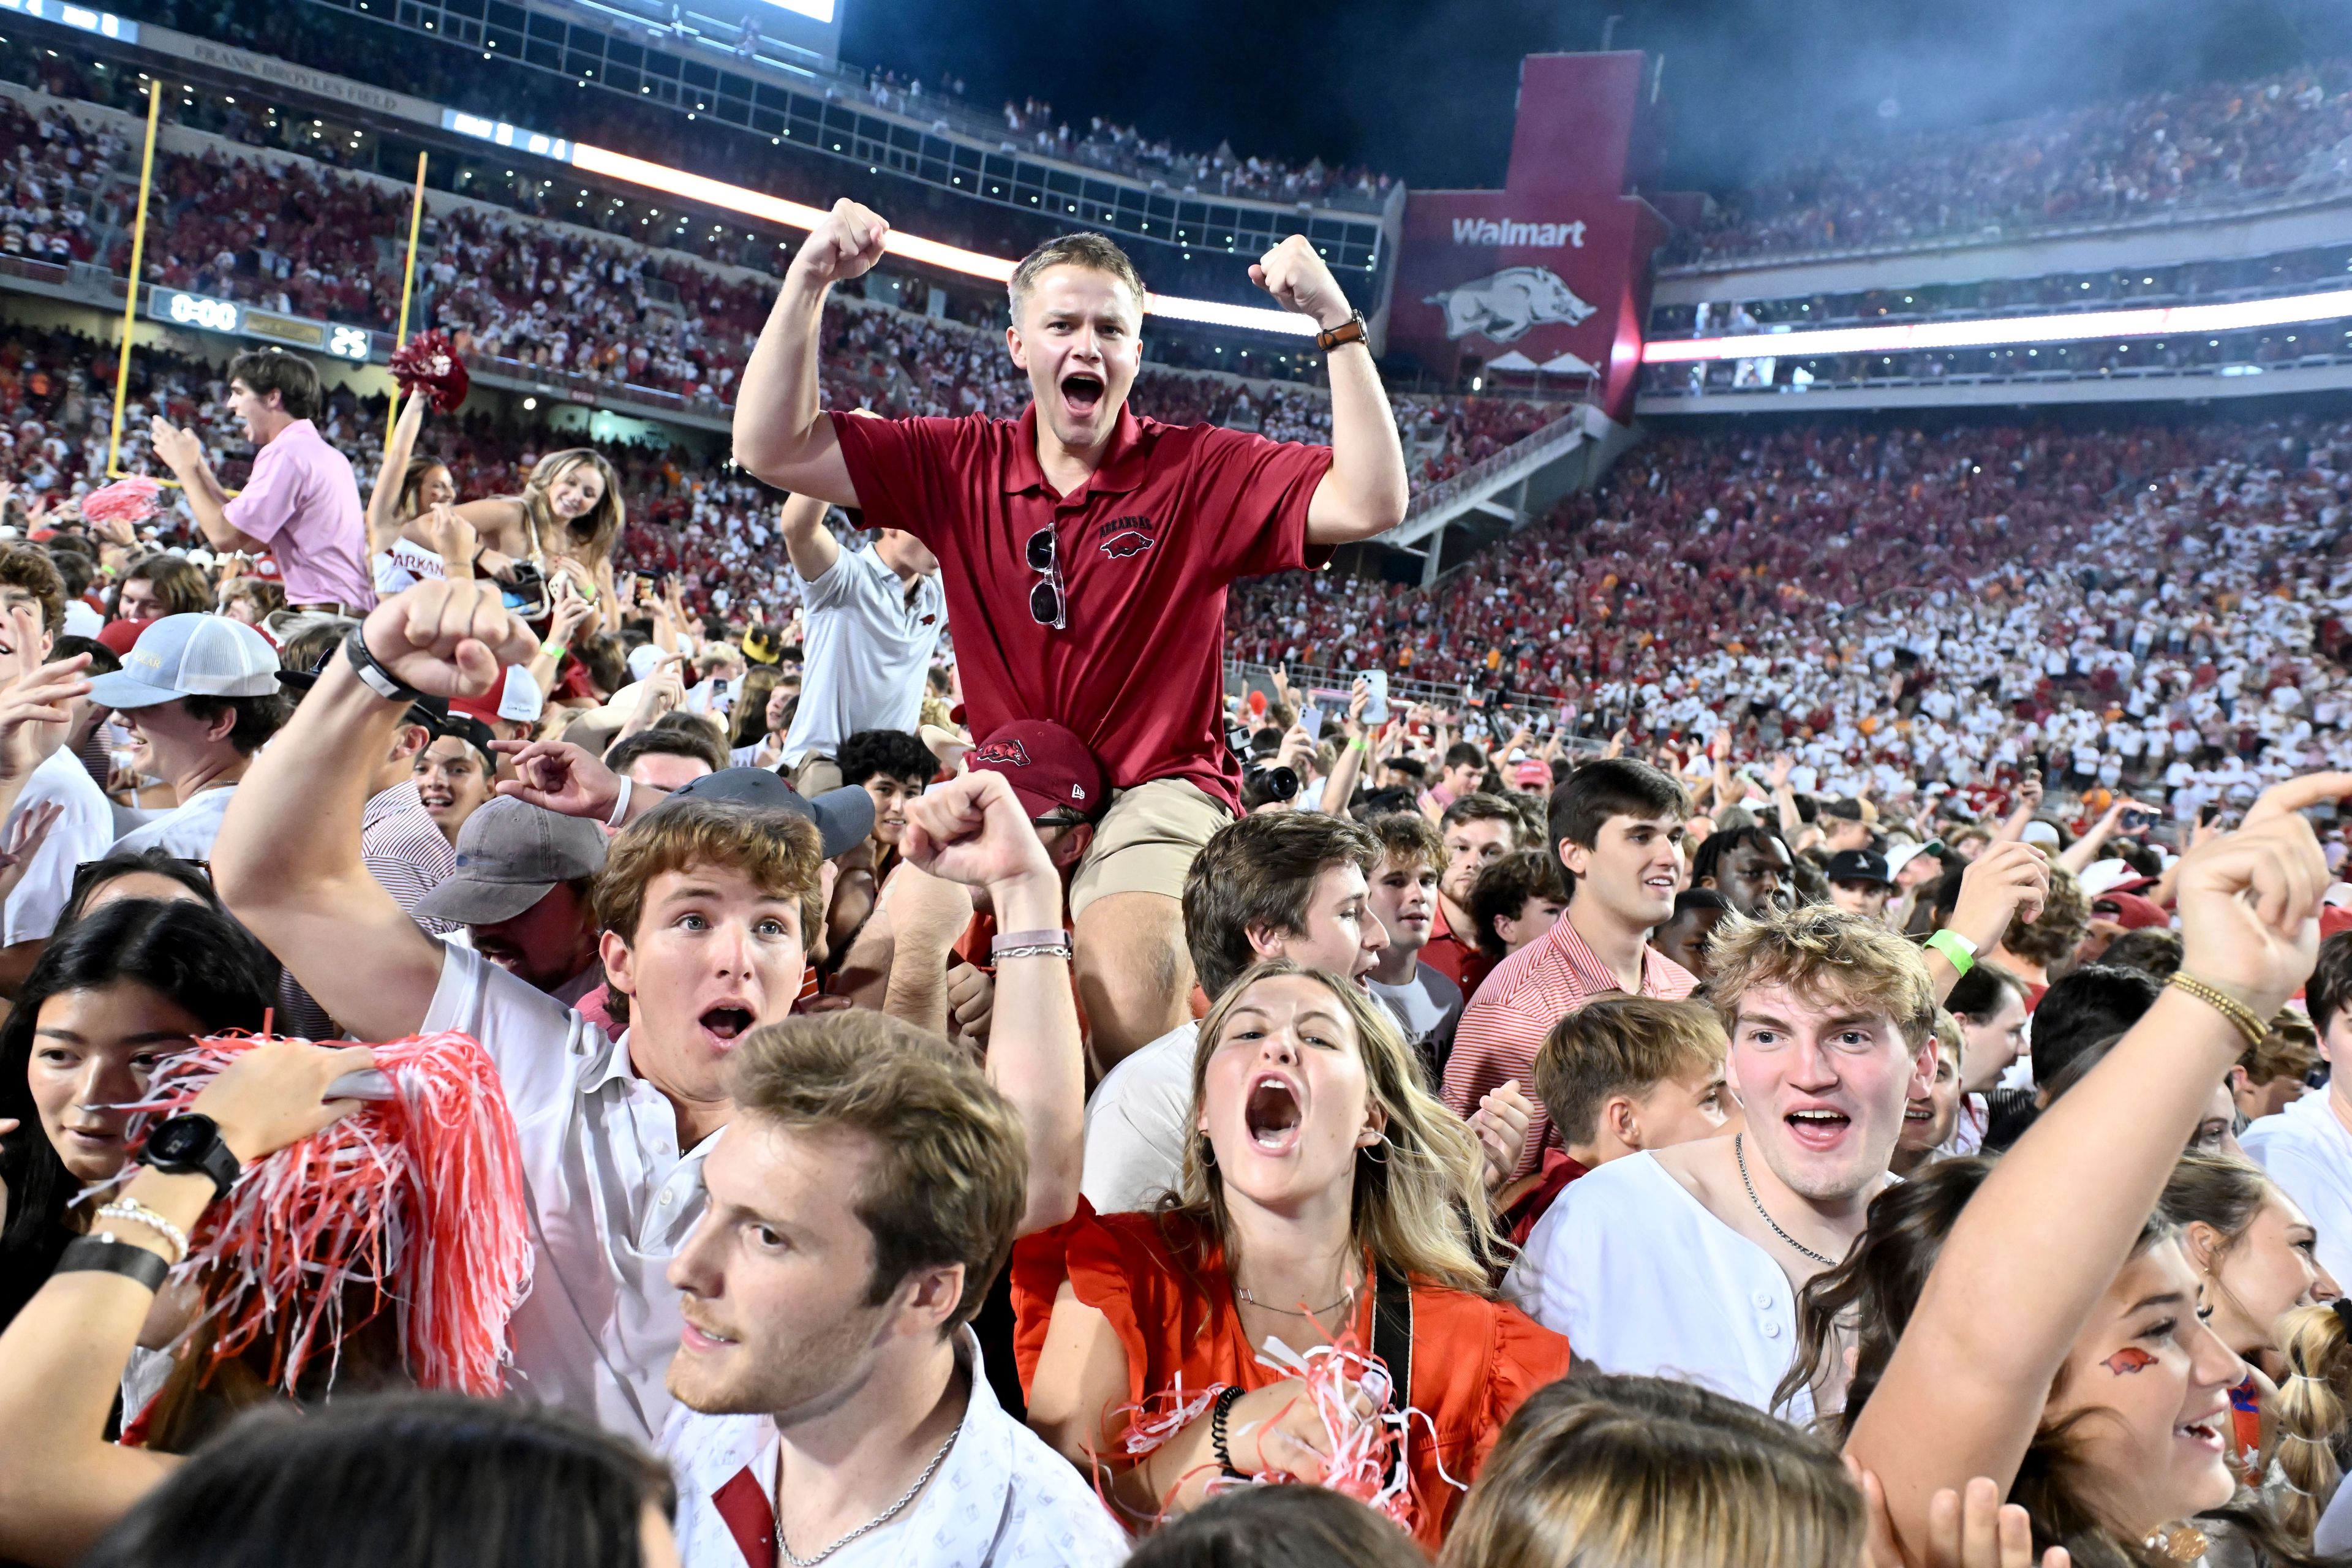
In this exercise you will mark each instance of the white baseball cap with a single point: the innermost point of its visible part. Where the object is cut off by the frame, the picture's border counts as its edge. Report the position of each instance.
(190, 656)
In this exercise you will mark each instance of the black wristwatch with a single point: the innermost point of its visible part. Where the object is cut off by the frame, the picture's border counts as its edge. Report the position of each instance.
(191, 1145)
(379, 679)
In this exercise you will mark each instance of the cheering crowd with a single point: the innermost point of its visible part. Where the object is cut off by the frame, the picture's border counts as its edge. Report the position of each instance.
(507, 1062)
(2121, 159)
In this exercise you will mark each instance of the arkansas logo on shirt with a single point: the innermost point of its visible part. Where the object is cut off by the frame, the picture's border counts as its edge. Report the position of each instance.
(1122, 537)
(1004, 753)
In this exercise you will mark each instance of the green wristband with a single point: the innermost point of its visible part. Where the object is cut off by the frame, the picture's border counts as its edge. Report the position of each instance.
(1955, 949)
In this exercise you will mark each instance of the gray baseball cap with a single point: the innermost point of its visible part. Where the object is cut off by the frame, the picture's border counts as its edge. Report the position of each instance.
(844, 816)
(511, 853)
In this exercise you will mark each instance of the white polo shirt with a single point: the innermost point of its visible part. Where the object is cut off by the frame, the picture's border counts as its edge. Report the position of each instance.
(866, 652)
(2307, 1152)
(1001, 1499)
(84, 831)
(1643, 1279)
(612, 1198)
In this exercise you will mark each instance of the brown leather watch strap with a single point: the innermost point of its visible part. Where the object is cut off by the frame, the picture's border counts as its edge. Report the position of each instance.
(1351, 331)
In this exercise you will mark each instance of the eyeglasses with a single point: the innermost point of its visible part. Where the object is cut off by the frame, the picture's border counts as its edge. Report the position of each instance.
(1047, 604)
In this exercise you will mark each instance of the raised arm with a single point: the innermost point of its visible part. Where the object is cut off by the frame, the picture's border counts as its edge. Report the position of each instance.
(2078, 855)
(2010, 880)
(2033, 1250)
(973, 830)
(182, 452)
(383, 500)
(806, 539)
(288, 859)
(1366, 490)
(781, 433)
(62, 1483)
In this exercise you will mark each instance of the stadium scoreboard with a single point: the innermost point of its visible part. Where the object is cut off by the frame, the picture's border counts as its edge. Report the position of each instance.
(227, 317)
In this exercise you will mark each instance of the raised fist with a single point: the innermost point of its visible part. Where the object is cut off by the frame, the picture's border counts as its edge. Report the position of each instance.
(846, 245)
(1297, 278)
(448, 638)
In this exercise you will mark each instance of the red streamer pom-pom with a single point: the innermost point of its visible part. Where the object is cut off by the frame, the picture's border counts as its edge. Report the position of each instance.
(429, 361)
(131, 500)
(416, 1202)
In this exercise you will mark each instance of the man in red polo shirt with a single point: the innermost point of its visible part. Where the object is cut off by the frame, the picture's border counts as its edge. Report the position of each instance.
(1085, 553)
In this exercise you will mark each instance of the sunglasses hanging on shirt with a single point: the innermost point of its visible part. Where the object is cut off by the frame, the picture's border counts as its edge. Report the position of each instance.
(1048, 606)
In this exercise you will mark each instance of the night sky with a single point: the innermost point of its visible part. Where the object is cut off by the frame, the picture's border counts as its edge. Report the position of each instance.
(1424, 88)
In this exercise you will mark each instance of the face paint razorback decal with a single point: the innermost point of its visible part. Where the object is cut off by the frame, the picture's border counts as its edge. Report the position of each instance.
(1004, 753)
(2129, 1360)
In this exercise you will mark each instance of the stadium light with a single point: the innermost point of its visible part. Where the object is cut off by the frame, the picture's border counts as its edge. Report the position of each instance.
(2081, 326)
(778, 210)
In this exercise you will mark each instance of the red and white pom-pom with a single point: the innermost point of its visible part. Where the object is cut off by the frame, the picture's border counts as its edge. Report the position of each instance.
(1163, 1415)
(1367, 1447)
(132, 500)
(430, 361)
(417, 1201)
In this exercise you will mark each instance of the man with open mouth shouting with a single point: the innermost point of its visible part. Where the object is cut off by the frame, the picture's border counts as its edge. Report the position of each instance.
(1087, 553)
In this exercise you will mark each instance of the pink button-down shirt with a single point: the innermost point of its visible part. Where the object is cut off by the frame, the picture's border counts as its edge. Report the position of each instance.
(303, 502)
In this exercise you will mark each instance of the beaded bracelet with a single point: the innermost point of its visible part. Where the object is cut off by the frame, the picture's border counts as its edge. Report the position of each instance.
(138, 1214)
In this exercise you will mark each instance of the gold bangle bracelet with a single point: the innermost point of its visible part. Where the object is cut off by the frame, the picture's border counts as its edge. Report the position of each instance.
(2245, 1018)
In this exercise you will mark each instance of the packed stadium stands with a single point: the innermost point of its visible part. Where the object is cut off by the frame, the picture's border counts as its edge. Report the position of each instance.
(2217, 145)
(1886, 600)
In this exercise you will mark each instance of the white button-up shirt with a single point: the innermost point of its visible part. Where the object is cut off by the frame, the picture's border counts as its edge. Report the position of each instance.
(612, 1196)
(1642, 1278)
(1001, 1499)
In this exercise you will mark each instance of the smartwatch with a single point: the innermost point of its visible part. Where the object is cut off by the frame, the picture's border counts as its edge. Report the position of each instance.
(191, 1145)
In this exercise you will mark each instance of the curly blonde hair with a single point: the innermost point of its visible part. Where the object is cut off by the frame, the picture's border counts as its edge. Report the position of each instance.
(1822, 954)
(1420, 1202)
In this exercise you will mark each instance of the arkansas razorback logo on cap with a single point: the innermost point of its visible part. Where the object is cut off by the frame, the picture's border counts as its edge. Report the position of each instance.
(1004, 753)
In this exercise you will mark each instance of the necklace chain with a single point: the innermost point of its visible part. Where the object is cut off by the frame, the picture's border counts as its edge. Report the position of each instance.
(878, 1522)
(1765, 1214)
(1241, 1293)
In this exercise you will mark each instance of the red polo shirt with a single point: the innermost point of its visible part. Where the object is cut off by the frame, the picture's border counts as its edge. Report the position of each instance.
(1146, 546)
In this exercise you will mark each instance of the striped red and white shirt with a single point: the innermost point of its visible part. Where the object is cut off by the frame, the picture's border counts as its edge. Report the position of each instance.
(1505, 1024)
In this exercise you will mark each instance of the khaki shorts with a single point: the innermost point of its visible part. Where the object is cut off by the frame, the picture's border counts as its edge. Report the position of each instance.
(1146, 842)
(815, 775)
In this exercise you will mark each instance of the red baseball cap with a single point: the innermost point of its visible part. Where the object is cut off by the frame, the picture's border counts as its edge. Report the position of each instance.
(2129, 910)
(1049, 768)
(119, 636)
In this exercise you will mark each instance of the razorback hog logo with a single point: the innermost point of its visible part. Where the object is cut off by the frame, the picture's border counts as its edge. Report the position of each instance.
(1003, 753)
(1504, 306)
(1124, 536)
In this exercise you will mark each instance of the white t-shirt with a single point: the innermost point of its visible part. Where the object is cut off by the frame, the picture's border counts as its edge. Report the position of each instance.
(866, 653)
(1422, 1005)
(2307, 1152)
(81, 621)
(612, 1198)
(84, 831)
(186, 831)
(1643, 1279)
(1137, 1122)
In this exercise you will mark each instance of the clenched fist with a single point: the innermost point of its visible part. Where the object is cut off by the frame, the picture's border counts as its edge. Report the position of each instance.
(1299, 281)
(448, 638)
(846, 245)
